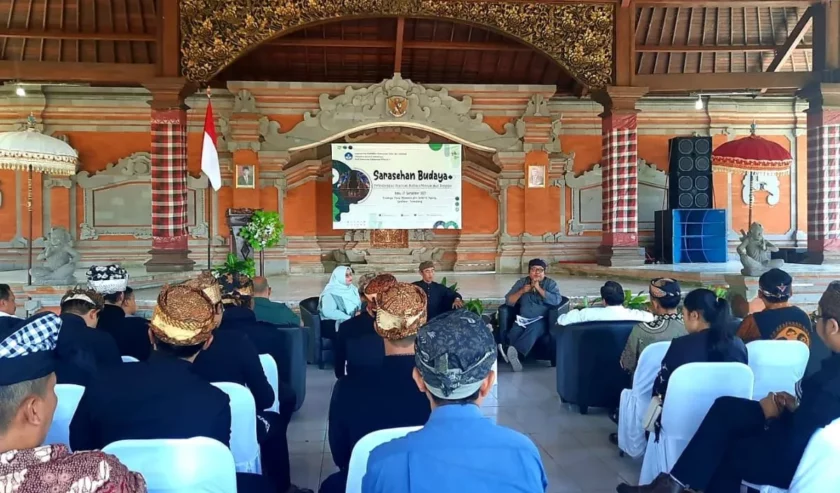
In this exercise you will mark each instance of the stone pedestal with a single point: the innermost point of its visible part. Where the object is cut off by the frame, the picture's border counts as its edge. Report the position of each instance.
(618, 256)
(169, 261)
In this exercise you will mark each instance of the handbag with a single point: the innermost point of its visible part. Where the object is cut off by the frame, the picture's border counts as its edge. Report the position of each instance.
(652, 414)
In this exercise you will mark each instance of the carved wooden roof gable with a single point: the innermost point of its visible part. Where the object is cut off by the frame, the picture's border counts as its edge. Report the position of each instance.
(579, 37)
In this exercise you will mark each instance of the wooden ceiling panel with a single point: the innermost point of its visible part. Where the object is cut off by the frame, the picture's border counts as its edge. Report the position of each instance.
(676, 39)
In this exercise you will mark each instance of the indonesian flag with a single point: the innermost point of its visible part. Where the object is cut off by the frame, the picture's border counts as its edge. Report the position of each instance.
(209, 154)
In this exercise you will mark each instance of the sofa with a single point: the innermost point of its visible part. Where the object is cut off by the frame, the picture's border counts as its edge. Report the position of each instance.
(544, 349)
(589, 373)
(319, 336)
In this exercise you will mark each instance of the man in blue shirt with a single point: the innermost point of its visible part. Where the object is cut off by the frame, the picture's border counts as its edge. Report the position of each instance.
(458, 450)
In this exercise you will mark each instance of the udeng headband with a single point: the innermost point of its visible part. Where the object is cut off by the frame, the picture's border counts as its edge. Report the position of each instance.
(80, 296)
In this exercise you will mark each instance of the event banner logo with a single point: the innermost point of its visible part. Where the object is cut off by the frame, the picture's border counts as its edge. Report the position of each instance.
(396, 186)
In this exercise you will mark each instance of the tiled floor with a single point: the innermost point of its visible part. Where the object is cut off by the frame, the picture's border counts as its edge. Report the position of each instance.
(576, 453)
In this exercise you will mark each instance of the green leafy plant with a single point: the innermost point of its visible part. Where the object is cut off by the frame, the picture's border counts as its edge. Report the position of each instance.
(721, 291)
(263, 230)
(475, 306)
(453, 287)
(634, 301)
(233, 265)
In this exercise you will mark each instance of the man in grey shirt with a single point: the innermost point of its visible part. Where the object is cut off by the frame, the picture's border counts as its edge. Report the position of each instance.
(533, 296)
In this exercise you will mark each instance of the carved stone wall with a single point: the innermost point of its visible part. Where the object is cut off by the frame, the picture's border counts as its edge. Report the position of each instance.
(579, 37)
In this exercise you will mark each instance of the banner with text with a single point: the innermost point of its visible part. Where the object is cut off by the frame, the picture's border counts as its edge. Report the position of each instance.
(396, 186)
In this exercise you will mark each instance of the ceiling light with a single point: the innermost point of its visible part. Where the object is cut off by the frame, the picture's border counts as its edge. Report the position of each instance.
(698, 105)
(20, 91)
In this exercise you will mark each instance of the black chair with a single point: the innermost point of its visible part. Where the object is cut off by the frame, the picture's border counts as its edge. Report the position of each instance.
(293, 368)
(544, 349)
(320, 335)
(589, 372)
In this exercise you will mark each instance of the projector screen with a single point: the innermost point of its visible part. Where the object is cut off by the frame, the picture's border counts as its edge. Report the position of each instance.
(396, 186)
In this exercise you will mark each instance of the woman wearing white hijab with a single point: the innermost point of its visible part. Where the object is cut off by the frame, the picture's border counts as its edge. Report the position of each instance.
(339, 300)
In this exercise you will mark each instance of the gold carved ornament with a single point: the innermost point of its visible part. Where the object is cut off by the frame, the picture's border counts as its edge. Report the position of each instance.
(579, 37)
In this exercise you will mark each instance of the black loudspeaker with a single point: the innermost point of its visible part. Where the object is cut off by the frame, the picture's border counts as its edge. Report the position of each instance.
(690, 172)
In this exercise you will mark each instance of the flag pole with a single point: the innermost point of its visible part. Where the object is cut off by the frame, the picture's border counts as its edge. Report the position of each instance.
(210, 208)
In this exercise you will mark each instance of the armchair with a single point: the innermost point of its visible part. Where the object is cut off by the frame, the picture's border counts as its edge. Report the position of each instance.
(319, 337)
(544, 349)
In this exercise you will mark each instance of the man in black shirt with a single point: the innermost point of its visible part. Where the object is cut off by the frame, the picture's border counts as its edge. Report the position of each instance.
(83, 350)
(440, 298)
(385, 397)
(357, 344)
(8, 308)
(760, 442)
(130, 333)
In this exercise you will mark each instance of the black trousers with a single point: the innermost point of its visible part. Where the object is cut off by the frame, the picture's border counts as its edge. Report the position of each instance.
(253, 483)
(271, 434)
(733, 445)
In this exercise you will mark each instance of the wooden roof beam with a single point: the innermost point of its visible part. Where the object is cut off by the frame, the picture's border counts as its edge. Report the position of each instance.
(409, 45)
(792, 42)
(723, 3)
(723, 81)
(107, 73)
(715, 48)
(398, 48)
(71, 35)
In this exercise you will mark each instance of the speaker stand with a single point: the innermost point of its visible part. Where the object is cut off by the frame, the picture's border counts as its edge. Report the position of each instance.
(616, 256)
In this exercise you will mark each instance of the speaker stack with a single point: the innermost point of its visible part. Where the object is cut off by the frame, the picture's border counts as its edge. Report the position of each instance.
(690, 175)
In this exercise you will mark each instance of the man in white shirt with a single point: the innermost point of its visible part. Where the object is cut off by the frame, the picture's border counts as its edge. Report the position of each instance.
(7, 307)
(613, 296)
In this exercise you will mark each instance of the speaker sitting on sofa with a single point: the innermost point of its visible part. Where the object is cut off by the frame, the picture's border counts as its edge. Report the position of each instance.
(690, 173)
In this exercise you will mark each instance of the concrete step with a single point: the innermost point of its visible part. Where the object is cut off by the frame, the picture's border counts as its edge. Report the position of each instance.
(383, 267)
(390, 259)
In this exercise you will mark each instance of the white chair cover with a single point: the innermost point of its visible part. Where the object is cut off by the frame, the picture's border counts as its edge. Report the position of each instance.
(634, 402)
(777, 366)
(270, 370)
(68, 400)
(197, 465)
(817, 471)
(692, 390)
(243, 432)
(129, 359)
(495, 369)
(362, 450)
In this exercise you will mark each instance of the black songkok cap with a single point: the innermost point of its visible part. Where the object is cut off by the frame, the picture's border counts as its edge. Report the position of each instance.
(27, 351)
(536, 262)
(776, 285)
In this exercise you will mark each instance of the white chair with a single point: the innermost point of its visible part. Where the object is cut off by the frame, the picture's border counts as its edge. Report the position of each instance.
(777, 365)
(692, 389)
(634, 402)
(243, 427)
(270, 370)
(495, 369)
(817, 470)
(130, 359)
(362, 450)
(197, 465)
(68, 396)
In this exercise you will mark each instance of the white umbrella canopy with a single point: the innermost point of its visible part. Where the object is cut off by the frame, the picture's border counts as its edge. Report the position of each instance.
(31, 150)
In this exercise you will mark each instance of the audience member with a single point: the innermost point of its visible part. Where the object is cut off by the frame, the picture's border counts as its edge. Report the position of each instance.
(458, 449)
(665, 297)
(779, 319)
(612, 295)
(760, 442)
(83, 351)
(130, 333)
(339, 301)
(269, 311)
(709, 340)
(533, 296)
(233, 357)
(440, 298)
(162, 397)
(27, 405)
(7, 308)
(357, 345)
(129, 304)
(386, 397)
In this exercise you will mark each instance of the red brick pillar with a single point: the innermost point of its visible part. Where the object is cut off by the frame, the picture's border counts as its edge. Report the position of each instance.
(619, 184)
(824, 173)
(170, 250)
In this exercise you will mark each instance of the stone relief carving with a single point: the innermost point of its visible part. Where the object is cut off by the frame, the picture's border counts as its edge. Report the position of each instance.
(358, 107)
(579, 37)
(59, 259)
(357, 235)
(226, 140)
(587, 197)
(244, 102)
(117, 200)
(200, 230)
(537, 106)
(421, 235)
(761, 181)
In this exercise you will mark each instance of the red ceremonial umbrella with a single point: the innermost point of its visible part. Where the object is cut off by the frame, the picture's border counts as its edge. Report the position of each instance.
(751, 155)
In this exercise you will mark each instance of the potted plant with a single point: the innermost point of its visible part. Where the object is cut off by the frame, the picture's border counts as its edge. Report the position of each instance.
(264, 230)
(233, 265)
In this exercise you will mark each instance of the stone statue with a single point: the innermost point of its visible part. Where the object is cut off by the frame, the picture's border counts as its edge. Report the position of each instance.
(755, 252)
(59, 258)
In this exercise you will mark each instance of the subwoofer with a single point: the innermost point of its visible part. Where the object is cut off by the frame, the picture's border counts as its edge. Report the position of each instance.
(690, 173)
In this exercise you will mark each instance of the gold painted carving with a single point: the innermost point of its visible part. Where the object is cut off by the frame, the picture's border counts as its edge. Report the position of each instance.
(579, 37)
(389, 238)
